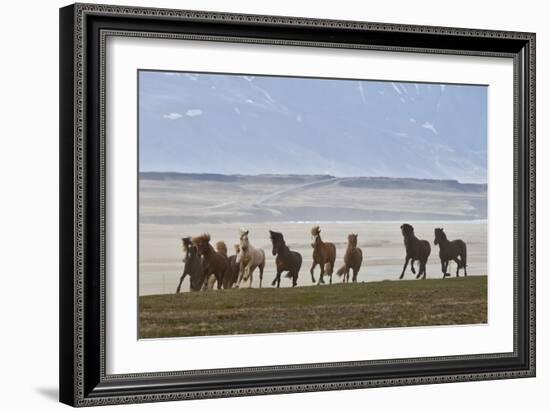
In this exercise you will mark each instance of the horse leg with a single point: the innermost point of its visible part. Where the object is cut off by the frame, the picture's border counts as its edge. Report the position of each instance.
(443, 268)
(181, 281)
(404, 267)
(313, 265)
(277, 279)
(424, 267)
(241, 273)
(294, 279)
(412, 266)
(355, 272)
(277, 275)
(250, 272)
(322, 274)
(457, 261)
(261, 268)
(421, 270)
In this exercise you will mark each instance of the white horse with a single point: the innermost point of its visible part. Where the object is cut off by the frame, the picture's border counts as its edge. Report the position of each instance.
(249, 258)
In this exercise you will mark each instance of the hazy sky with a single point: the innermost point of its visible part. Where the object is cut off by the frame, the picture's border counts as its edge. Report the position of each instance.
(232, 124)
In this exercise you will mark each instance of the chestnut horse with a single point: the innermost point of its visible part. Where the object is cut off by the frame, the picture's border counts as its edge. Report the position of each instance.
(324, 254)
(286, 260)
(352, 260)
(416, 250)
(193, 266)
(450, 250)
(249, 258)
(213, 262)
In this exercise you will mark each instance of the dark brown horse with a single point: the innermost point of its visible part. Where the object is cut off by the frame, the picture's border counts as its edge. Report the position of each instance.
(213, 262)
(352, 260)
(192, 266)
(417, 250)
(234, 269)
(228, 279)
(324, 254)
(450, 250)
(286, 260)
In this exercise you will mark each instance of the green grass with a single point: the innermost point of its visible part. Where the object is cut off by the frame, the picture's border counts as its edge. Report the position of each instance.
(337, 307)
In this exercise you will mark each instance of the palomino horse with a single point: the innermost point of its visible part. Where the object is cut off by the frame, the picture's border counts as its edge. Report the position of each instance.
(286, 260)
(193, 266)
(324, 254)
(213, 262)
(249, 258)
(450, 250)
(352, 260)
(417, 250)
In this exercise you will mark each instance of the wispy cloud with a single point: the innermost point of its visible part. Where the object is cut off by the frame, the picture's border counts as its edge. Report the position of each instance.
(430, 126)
(172, 116)
(193, 112)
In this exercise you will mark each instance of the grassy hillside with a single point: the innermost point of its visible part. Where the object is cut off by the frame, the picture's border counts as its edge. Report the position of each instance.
(340, 306)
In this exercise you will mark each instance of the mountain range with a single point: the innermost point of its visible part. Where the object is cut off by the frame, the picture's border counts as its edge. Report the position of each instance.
(235, 124)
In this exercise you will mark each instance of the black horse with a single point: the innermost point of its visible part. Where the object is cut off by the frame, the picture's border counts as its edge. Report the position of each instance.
(416, 249)
(286, 260)
(193, 266)
(450, 250)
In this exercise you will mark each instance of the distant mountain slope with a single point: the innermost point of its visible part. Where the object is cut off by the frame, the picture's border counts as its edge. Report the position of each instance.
(232, 124)
(171, 198)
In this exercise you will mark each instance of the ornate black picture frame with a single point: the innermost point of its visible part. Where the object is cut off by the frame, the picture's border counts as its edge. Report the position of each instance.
(83, 30)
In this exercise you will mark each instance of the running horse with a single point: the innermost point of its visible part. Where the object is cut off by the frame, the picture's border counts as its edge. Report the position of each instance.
(249, 259)
(214, 263)
(192, 266)
(286, 260)
(450, 250)
(416, 250)
(324, 255)
(352, 260)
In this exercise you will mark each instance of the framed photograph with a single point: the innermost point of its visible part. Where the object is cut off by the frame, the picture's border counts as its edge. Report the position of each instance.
(262, 204)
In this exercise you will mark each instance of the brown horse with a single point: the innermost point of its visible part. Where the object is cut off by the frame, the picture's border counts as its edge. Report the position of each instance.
(213, 262)
(324, 254)
(416, 250)
(352, 260)
(450, 250)
(193, 266)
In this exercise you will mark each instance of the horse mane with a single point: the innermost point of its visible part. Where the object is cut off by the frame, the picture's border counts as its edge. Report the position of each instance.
(186, 243)
(407, 228)
(315, 230)
(243, 231)
(221, 248)
(276, 236)
(203, 238)
(440, 233)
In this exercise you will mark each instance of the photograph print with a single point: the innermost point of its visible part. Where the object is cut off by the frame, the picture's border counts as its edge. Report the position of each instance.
(276, 204)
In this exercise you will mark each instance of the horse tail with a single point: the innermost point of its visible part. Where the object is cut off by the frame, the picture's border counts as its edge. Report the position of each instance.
(428, 249)
(341, 271)
(463, 262)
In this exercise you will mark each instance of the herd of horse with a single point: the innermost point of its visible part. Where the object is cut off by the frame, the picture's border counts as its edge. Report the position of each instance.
(208, 266)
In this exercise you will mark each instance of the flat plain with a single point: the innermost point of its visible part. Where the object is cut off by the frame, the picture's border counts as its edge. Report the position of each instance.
(450, 301)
